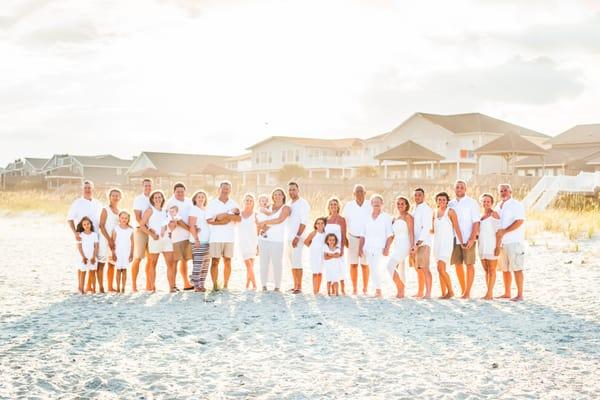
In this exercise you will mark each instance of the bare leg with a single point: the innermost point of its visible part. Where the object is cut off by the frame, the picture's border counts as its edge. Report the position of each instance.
(428, 282)
(110, 275)
(441, 267)
(519, 281)
(420, 282)
(214, 273)
(317, 283)
(81, 281)
(89, 282)
(135, 269)
(92, 281)
(100, 277)
(354, 278)
(469, 282)
(399, 285)
(119, 280)
(123, 280)
(365, 277)
(151, 272)
(183, 270)
(226, 271)
(491, 272)
(171, 269)
(460, 275)
(250, 278)
(507, 278)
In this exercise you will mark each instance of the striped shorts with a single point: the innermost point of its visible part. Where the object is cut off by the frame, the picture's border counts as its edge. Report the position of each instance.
(201, 262)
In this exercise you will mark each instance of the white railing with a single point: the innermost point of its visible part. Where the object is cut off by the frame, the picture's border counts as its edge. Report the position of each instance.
(546, 190)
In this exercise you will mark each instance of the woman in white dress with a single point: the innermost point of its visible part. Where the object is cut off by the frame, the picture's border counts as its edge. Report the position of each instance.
(487, 243)
(247, 239)
(109, 219)
(445, 223)
(271, 244)
(404, 239)
(336, 224)
(154, 221)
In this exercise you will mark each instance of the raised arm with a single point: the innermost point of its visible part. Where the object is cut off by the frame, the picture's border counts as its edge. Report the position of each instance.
(285, 212)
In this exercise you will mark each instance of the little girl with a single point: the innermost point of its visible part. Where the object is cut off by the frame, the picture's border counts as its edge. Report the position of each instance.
(122, 237)
(88, 251)
(332, 264)
(264, 211)
(316, 241)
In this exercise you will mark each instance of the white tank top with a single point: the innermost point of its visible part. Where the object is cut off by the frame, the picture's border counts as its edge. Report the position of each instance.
(401, 245)
(157, 220)
(487, 235)
(112, 220)
(443, 225)
(276, 232)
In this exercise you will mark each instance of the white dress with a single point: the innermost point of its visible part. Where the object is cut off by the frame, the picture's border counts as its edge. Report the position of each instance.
(316, 248)
(486, 243)
(400, 249)
(336, 229)
(122, 246)
(443, 241)
(87, 245)
(333, 266)
(247, 238)
(112, 220)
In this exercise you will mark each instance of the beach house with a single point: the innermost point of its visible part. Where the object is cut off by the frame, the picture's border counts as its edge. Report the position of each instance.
(69, 170)
(23, 172)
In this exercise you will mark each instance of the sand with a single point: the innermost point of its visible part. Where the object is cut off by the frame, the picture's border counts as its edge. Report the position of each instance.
(57, 344)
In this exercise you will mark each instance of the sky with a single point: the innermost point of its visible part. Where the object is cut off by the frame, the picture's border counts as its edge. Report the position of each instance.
(216, 76)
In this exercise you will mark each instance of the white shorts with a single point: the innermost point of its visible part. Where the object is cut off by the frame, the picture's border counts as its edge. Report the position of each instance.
(512, 257)
(161, 245)
(87, 267)
(294, 254)
(352, 251)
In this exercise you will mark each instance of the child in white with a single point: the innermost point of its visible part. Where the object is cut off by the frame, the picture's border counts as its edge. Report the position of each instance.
(88, 251)
(332, 264)
(172, 216)
(264, 212)
(123, 255)
(316, 241)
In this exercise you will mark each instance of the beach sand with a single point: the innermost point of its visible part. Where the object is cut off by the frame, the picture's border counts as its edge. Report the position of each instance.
(55, 343)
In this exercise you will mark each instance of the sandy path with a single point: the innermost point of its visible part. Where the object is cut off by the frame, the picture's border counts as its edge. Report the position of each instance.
(240, 344)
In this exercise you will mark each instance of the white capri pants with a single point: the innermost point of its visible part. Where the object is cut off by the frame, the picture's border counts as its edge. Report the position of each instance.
(271, 258)
(394, 265)
(373, 257)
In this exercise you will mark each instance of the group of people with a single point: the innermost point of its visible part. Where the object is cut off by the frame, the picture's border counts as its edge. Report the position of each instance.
(277, 229)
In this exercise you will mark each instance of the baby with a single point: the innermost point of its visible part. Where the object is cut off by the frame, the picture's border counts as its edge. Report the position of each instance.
(264, 210)
(173, 216)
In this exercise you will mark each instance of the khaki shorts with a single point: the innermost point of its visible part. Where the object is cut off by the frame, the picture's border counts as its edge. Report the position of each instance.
(220, 249)
(462, 256)
(422, 257)
(512, 257)
(182, 250)
(140, 244)
(353, 246)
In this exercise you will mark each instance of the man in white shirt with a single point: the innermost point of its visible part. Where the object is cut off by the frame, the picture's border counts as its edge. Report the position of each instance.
(180, 237)
(468, 214)
(222, 214)
(356, 213)
(511, 235)
(140, 240)
(85, 206)
(376, 239)
(296, 225)
(419, 254)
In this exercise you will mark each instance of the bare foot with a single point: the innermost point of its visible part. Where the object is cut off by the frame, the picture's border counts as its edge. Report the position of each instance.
(465, 297)
(427, 297)
(504, 296)
(101, 290)
(134, 290)
(517, 298)
(418, 295)
(354, 293)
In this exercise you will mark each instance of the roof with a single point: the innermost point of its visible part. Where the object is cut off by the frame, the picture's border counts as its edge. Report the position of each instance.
(409, 151)
(245, 156)
(178, 163)
(510, 143)
(470, 122)
(593, 160)
(313, 142)
(571, 157)
(579, 134)
(37, 163)
(104, 160)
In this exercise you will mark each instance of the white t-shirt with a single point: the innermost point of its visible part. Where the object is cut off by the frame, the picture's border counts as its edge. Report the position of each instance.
(423, 221)
(88, 242)
(221, 233)
(510, 211)
(141, 203)
(299, 211)
(201, 224)
(467, 212)
(180, 234)
(377, 231)
(356, 216)
(85, 208)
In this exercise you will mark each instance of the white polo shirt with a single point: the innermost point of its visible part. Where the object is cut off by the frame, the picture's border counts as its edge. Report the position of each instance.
(377, 231)
(423, 219)
(221, 233)
(467, 212)
(141, 203)
(510, 211)
(356, 216)
(85, 208)
(180, 234)
(299, 212)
